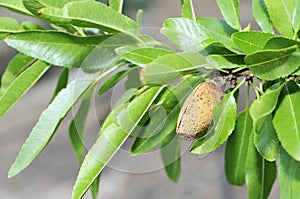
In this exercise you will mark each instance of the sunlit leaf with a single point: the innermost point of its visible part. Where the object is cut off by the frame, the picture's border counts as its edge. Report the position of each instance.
(15, 5)
(188, 10)
(236, 149)
(251, 42)
(111, 140)
(281, 15)
(57, 48)
(224, 115)
(8, 25)
(186, 34)
(21, 85)
(287, 119)
(231, 12)
(117, 5)
(260, 174)
(273, 64)
(171, 67)
(48, 123)
(16, 66)
(289, 176)
(261, 15)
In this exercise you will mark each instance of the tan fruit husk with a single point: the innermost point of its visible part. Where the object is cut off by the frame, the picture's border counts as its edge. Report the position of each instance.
(196, 113)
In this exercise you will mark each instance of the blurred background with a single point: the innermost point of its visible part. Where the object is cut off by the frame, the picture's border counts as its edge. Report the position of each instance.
(53, 173)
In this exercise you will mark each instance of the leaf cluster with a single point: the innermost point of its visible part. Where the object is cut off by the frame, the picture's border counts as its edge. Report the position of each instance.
(109, 47)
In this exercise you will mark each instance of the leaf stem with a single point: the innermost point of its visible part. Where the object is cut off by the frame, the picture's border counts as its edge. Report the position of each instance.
(238, 86)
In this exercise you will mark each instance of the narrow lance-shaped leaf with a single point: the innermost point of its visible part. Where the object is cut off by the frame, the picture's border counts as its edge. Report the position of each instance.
(260, 174)
(261, 15)
(21, 85)
(273, 64)
(252, 41)
(287, 119)
(170, 154)
(265, 139)
(289, 176)
(95, 15)
(61, 83)
(188, 10)
(186, 34)
(296, 17)
(8, 25)
(236, 149)
(226, 61)
(141, 56)
(219, 30)
(76, 128)
(57, 48)
(171, 100)
(111, 140)
(231, 12)
(281, 15)
(224, 115)
(15, 5)
(117, 5)
(171, 67)
(14, 68)
(48, 123)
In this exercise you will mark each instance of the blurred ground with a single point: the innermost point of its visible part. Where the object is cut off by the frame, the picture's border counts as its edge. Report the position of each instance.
(52, 174)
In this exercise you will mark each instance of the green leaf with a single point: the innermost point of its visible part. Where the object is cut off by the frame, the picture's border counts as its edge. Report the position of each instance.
(224, 115)
(281, 42)
(226, 61)
(186, 34)
(296, 17)
(231, 12)
(287, 119)
(111, 140)
(260, 174)
(219, 30)
(273, 64)
(171, 67)
(28, 25)
(104, 55)
(57, 48)
(77, 125)
(281, 12)
(117, 5)
(188, 10)
(21, 85)
(289, 176)
(61, 83)
(141, 56)
(265, 139)
(236, 149)
(157, 130)
(266, 104)
(8, 25)
(112, 80)
(170, 154)
(94, 15)
(15, 6)
(95, 187)
(162, 126)
(261, 15)
(251, 42)
(15, 67)
(48, 123)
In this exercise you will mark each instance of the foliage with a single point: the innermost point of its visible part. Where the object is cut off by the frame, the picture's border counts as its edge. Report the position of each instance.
(109, 46)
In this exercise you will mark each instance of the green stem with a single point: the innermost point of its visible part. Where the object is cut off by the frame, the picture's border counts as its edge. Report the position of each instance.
(248, 97)
(256, 90)
(238, 86)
